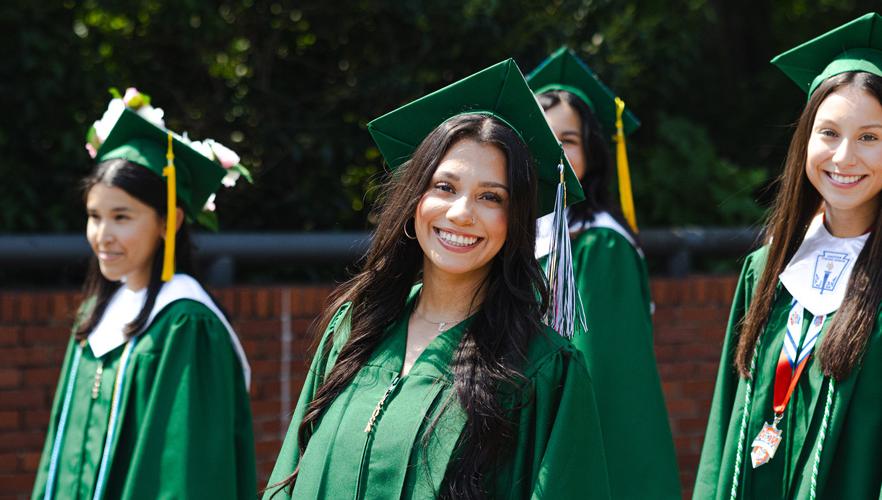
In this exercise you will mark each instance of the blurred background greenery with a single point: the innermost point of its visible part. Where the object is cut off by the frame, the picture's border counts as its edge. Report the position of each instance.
(291, 85)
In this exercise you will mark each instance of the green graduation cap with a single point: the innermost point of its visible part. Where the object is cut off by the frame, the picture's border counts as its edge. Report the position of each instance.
(564, 70)
(135, 139)
(854, 46)
(499, 91)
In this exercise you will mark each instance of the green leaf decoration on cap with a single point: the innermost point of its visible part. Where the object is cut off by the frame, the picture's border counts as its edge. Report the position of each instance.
(500, 91)
(854, 46)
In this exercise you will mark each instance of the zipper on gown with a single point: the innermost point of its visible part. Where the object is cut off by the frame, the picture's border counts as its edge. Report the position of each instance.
(369, 431)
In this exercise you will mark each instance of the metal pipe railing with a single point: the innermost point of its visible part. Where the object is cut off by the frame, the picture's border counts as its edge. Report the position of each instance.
(677, 245)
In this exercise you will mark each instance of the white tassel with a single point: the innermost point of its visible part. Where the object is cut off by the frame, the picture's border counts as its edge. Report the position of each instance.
(565, 313)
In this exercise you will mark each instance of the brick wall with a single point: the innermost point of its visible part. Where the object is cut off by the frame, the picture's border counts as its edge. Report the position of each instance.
(272, 323)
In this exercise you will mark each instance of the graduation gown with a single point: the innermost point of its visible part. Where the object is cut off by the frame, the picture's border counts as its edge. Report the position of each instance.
(557, 452)
(184, 422)
(613, 283)
(851, 461)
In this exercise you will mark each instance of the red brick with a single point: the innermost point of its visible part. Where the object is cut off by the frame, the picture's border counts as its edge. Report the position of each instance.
(690, 426)
(244, 303)
(9, 335)
(698, 352)
(302, 327)
(266, 407)
(672, 390)
(680, 407)
(8, 462)
(37, 419)
(269, 389)
(41, 307)
(10, 377)
(675, 371)
(265, 367)
(42, 376)
(707, 370)
(22, 441)
(258, 328)
(698, 389)
(276, 302)
(20, 484)
(262, 303)
(8, 308)
(297, 305)
(45, 335)
(16, 399)
(13, 356)
(268, 448)
(227, 299)
(29, 461)
(26, 307)
(703, 315)
(9, 420)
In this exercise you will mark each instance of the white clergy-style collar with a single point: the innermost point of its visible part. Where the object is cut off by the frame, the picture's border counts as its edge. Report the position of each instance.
(544, 228)
(818, 274)
(125, 305)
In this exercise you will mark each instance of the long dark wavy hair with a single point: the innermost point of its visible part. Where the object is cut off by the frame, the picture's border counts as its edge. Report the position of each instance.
(151, 190)
(599, 172)
(796, 204)
(489, 358)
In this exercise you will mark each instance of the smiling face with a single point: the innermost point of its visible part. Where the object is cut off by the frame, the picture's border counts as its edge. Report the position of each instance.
(567, 127)
(844, 159)
(124, 234)
(461, 220)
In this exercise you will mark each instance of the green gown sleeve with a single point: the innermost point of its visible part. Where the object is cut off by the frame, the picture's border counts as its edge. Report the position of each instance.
(42, 470)
(710, 481)
(290, 452)
(618, 348)
(559, 444)
(187, 429)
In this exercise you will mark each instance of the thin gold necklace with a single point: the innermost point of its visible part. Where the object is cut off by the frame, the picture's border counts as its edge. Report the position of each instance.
(442, 325)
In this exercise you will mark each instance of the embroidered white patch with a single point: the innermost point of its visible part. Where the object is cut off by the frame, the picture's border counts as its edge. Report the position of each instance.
(817, 276)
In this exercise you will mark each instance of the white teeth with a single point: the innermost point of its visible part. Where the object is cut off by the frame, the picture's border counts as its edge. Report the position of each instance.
(457, 240)
(845, 179)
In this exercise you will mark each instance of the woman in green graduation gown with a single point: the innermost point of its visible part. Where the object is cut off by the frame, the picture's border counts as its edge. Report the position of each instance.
(796, 411)
(451, 388)
(610, 275)
(152, 401)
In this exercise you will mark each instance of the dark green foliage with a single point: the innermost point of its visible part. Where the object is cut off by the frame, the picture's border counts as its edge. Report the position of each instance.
(290, 86)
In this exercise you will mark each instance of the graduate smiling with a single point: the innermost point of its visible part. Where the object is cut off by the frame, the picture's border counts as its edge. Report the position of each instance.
(796, 410)
(152, 400)
(435, 376)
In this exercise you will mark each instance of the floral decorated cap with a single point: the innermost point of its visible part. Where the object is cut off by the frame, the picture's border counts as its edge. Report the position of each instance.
(564, 70)
(854, 46)
(499, 91)
(133, 130)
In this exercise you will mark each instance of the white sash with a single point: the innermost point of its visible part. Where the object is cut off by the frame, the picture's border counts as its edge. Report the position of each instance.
(602, 219)
(126, 304)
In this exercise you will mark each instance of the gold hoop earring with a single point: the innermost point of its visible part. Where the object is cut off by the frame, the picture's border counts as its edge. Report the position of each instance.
(405, 230)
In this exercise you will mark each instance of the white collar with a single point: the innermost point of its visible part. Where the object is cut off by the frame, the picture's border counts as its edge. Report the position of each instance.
(817, 276)
(601, 219)
(125, 305)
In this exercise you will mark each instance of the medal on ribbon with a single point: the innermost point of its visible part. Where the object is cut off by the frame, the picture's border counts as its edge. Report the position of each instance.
(791, 364)
(766, 443)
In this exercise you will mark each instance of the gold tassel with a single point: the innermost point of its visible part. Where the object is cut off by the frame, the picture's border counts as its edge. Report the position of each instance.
(625, 196)
(168, 262)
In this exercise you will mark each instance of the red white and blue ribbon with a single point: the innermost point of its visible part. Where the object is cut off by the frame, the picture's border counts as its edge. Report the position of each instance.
(794, 355)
